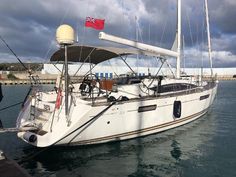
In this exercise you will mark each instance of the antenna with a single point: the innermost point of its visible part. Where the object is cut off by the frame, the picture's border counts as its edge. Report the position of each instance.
(65, 37)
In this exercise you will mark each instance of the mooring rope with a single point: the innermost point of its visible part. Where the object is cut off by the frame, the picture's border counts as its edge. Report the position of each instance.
(10, 106)
(30, 73)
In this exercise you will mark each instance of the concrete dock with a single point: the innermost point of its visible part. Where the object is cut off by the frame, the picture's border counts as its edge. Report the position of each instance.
(23, 79)
(9, 168)
(51, 79)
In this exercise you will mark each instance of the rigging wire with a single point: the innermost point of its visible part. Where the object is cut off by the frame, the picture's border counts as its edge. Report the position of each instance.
(163, 32)
(113, 69)
(198, 31)
(83, 39)
(14, 54)
(55, 65)
(189, 25)
(84, 60)
(52, 35)
(29, 72)
(84, 32)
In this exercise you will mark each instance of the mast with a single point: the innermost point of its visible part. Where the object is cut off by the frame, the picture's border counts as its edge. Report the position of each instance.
(178, 39)
(208, 35)
(183, 54)
(136, 30)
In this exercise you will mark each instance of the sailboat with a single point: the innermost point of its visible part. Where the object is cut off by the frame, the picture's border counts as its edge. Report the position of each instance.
(99, 110)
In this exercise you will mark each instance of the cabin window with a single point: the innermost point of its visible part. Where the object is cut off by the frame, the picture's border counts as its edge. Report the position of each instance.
(101, 75)
(204, 97)
(106, 75)
(134, 81)
(111, 75)
(147, 108)
(174, 87)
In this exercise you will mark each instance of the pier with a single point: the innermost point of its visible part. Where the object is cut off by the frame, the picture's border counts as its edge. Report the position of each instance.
(79, 79)
(9, 168)
(23, 79)
(221, 78)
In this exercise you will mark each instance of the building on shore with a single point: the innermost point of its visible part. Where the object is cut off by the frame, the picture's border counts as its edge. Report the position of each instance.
(112, 71)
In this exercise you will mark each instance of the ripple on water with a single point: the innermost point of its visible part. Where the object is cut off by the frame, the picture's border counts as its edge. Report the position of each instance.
(205, 147)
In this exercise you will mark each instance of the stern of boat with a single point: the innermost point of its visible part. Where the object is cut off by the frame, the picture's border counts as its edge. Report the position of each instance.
(36, 116)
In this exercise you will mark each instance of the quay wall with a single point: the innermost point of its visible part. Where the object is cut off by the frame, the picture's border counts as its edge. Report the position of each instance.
(50, 73)
(51, 79)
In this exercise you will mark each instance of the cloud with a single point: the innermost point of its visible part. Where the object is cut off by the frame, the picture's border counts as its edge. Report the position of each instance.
(29, 26)
(222, 15)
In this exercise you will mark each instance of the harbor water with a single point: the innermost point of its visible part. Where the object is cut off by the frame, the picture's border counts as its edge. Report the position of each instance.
(205, 147)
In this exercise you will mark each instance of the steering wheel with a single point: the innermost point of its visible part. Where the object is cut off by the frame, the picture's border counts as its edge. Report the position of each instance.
(90, 86)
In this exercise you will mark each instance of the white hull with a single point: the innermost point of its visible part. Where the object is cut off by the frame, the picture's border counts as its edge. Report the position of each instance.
(121, 121)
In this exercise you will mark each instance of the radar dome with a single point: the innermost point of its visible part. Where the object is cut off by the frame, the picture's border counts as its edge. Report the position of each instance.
(65, 35)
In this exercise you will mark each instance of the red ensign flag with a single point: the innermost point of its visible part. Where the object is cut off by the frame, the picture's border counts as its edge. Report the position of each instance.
(97, 24)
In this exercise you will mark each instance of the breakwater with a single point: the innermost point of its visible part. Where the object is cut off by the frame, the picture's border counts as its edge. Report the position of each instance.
(76, 79)
(39, 81)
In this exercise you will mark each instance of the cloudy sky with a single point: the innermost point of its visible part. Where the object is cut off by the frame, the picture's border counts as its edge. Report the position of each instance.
(29, 26)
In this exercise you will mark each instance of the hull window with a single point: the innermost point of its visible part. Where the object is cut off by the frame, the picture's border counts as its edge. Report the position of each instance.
(177, 109)
(147, 108)
(204, 97)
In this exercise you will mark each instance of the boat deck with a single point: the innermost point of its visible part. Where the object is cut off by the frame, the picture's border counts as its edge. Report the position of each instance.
(163, 94)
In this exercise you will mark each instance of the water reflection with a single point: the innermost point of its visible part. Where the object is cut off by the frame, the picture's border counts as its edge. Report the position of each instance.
(165, 154)
(155, 155)
(175, 152)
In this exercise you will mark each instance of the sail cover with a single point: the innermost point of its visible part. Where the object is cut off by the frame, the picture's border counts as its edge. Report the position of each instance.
(90, 54)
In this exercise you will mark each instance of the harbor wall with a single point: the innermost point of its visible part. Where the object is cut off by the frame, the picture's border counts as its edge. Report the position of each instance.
(51, 69)
(49, 73)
